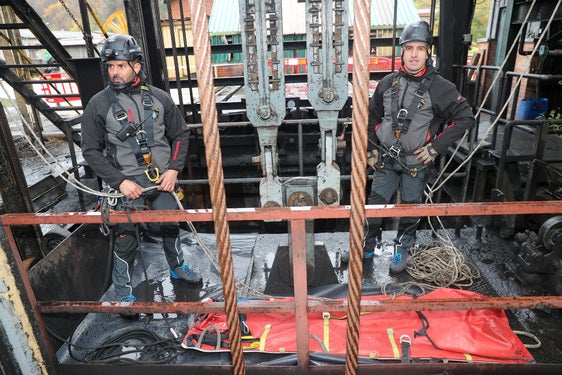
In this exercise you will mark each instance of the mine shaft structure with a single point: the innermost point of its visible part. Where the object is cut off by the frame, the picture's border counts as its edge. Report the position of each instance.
(327, 50)
(262, 45)
(264, 78)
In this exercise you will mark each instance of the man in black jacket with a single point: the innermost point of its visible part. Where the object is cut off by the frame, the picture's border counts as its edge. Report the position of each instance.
(135, 139)
(414, 115)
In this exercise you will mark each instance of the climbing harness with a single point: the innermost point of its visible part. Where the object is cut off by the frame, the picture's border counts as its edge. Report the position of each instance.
(140, 135)
(402, 118)
(396, 156)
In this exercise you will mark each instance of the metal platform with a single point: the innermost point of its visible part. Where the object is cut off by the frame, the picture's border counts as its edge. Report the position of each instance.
(254, 257)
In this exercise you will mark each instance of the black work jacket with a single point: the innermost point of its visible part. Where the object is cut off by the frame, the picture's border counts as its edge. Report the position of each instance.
(441, 117)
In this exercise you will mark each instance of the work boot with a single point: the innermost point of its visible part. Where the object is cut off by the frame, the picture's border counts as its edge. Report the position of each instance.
(128, 301)
(399, 260)
(185, 273)
(367, 255)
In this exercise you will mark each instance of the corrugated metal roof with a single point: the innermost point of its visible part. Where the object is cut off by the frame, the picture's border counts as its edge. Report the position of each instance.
(382, 12)
(225, 16)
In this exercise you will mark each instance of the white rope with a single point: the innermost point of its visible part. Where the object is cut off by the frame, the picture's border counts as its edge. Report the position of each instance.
(537, 344)
(438, 185)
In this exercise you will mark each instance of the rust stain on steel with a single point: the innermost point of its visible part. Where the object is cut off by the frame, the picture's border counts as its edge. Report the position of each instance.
(298, 248)
(289, 213)
(262, 307)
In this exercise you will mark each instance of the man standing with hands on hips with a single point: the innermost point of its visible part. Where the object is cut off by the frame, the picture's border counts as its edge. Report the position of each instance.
(414, 115)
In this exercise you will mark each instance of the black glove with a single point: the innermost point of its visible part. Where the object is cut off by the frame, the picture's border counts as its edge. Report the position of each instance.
(426, 154)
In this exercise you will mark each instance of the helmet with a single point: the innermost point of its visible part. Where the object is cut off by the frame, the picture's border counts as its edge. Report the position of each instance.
(121, 47)
(416, 32)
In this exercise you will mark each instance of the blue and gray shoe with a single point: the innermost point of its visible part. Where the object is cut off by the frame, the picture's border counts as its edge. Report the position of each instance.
(128, 301)
(398, 263)
(186, 274)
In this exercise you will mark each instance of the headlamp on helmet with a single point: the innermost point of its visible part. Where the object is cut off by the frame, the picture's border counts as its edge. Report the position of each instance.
(121, 47)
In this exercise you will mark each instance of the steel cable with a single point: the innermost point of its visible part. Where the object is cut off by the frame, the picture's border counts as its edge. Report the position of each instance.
(361, 45)
(202, 52)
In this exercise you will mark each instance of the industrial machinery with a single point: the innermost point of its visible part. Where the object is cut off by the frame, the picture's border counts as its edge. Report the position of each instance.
(539, 256)
(286, 125)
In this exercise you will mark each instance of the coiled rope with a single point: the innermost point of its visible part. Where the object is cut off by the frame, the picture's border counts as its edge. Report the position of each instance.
(437, 266)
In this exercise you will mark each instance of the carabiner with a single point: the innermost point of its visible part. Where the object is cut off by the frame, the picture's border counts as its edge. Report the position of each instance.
(152, 173)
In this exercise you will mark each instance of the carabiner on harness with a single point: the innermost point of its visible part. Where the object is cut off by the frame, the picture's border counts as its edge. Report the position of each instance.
(152, 173)
(402, 114)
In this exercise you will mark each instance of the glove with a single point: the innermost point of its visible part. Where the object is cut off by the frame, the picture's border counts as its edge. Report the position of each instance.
(372, 159)
(426, 154)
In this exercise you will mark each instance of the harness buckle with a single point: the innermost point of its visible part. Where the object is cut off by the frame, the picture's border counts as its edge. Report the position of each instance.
(394, 151)
(402, 114)
(419, 93)
(147, 101)
(121, 115)
(141, 136)
(413, 172)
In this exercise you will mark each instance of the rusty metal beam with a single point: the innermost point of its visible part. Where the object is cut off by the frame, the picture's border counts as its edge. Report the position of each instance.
(313, 305)
(292, 213)
(298, 242)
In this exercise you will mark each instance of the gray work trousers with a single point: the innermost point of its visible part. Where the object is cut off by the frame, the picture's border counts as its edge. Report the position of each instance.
(126, 240)
(386, 181)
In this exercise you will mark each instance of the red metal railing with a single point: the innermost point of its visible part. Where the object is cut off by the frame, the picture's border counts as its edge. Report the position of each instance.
(297, 217)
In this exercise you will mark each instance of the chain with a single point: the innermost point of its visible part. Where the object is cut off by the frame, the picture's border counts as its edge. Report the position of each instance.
(72, 16)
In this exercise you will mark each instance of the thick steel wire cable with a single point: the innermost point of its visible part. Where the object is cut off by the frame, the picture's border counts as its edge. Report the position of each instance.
(202, 52)
(360, 96)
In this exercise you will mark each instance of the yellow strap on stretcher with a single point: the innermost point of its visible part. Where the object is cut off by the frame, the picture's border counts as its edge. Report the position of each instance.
(264, 337)
(395, 350)
(326, 317)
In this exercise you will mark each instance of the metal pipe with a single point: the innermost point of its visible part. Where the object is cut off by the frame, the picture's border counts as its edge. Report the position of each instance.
(289, 213)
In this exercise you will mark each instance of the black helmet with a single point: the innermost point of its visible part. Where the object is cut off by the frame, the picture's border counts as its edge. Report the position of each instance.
(416, 32)
(121, 47)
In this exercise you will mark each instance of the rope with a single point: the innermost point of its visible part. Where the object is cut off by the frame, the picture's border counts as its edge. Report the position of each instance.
(537, 344)
(361, 46)
(441, 265)
(202, 52)
(482, 142)
(436, 266)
